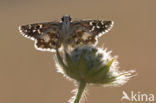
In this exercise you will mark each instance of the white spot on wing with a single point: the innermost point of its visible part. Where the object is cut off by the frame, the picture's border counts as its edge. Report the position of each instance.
(98, 27)
(110, 27)
(91, 23)
(21, 32)
(39, 32)
(93, 28)
(102, 22)
(41, 25)
(34, 30)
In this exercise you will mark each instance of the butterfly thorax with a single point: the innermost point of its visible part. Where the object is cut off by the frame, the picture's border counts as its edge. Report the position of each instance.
(66, 29)
(66, 24)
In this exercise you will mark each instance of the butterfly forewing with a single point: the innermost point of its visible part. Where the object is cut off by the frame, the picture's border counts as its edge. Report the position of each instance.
(44, 34)
(87, 31)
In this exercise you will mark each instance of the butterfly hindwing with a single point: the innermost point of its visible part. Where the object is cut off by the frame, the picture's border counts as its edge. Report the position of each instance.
(81, 37)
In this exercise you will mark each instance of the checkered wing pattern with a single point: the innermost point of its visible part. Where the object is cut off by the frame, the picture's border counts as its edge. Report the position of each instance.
(87, 31)
(45, 35)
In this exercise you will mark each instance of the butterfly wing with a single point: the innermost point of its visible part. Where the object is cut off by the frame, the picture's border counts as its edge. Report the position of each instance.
(45, 35)
(87, 31)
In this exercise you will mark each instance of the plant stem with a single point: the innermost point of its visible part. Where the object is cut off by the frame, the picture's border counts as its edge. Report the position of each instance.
(82, 86)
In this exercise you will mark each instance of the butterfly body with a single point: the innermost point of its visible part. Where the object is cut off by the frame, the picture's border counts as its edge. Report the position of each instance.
(66, 30)
(48, 35)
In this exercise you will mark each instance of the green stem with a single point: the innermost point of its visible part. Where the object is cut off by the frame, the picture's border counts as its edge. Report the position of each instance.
(82, 86)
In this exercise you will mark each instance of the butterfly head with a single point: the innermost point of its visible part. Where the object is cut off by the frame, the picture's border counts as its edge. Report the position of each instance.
(66, 19)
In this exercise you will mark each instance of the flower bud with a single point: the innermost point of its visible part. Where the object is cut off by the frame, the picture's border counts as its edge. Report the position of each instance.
(92, 65)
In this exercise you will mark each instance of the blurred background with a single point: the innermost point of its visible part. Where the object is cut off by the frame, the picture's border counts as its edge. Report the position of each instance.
(29, 76)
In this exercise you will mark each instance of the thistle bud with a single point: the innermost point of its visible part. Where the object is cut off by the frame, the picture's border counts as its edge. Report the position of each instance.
(92, 65)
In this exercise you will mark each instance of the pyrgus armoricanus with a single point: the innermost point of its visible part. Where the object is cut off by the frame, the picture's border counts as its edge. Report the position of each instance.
(80, 32)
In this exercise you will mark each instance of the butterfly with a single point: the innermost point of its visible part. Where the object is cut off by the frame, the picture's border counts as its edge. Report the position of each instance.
(51, 35)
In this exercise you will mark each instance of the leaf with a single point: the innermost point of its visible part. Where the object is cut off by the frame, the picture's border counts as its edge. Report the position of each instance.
(98, 76)
(94, 69)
